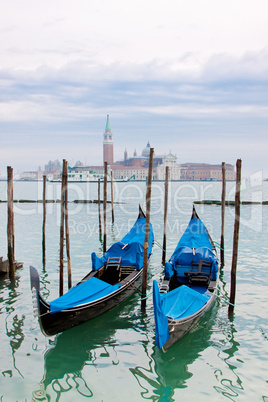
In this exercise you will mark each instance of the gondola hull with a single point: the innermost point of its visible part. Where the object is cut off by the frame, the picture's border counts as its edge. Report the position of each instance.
(178, 328)
(189, 287)
(52, 324)
(114, 277)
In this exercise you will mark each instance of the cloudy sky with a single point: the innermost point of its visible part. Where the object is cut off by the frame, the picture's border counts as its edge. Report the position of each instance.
(190, 76)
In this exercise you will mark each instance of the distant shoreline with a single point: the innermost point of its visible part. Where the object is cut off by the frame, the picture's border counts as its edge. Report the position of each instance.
(120, 181)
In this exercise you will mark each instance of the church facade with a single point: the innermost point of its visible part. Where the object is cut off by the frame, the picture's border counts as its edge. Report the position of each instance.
(136, 167)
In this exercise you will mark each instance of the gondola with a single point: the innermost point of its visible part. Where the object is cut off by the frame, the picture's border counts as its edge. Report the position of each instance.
(189, 286)
(113, 278)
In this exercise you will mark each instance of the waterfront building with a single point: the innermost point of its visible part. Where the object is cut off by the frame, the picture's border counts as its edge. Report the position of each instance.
(204, 171)
(35, 175)
(134, 167)
(169, 160)
(130, 173)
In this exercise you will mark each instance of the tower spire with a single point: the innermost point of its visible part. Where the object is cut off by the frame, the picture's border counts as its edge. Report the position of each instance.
(108, 127)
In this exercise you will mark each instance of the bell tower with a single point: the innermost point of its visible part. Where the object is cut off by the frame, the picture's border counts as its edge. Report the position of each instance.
(108, 145)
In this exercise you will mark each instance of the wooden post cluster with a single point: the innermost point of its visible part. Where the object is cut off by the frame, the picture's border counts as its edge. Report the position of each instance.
(236, 236)
(10, 224)
(147, 230)
(223, 196)
(165, 217)
(105, 205)
(64, 223)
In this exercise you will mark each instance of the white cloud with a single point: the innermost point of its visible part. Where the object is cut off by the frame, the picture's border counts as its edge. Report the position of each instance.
(166, 69)
(56, 33)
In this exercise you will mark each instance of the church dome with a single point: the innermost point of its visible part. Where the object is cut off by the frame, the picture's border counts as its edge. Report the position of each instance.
(146, 151)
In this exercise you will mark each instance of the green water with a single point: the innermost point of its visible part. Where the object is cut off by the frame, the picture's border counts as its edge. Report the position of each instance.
(114, 357)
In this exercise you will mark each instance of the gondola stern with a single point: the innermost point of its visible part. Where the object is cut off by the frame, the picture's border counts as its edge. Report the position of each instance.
(38, 302)
(35, 287)
(141, 213)
(35, 282)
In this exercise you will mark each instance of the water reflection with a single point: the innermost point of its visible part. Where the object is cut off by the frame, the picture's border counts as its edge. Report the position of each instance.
(73, 350)
(13, 322)
(171, 370)
(230, 382)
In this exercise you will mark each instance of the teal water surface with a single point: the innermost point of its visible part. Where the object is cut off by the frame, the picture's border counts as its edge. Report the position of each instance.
(114, 357)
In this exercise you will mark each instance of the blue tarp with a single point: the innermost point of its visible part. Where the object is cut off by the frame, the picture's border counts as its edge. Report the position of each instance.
(161, 321)
(130, 248)
(195, 236)
(183, 301)
(179, 303)
(137, 234)
(86, 292)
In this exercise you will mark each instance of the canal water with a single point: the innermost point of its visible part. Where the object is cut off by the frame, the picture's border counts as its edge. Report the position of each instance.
(114, 357)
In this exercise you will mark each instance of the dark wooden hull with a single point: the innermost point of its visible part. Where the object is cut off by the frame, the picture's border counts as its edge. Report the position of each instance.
(178, 328)
(52, 324)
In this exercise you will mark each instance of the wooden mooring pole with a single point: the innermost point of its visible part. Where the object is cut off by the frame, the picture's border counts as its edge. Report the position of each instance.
(236, 237)
(10, 223)
(64, 222)
(104, 205)
(165, 217)
(223, 196)
(67, 225)
(112, 196)
(44, 221)
(99, 206)
(147, 230)
(62, 230)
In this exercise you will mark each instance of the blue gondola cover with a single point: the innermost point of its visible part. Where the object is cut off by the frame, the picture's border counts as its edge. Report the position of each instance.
(184, 301)
(130, 248)
(179, 303)
(86, 292)
(195, 237)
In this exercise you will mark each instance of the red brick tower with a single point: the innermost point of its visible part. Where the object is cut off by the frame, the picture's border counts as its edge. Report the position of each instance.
(108, 145)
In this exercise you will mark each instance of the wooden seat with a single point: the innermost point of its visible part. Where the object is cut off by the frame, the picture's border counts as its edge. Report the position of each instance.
(125, 271)
(201, 274)
(112, 270)
(114, 262)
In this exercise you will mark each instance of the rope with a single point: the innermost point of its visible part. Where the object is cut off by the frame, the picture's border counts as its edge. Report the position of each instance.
(146, 297)
(215, 242)
(217, 245)
(137, 290)
(159, 245)
(224, 298)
